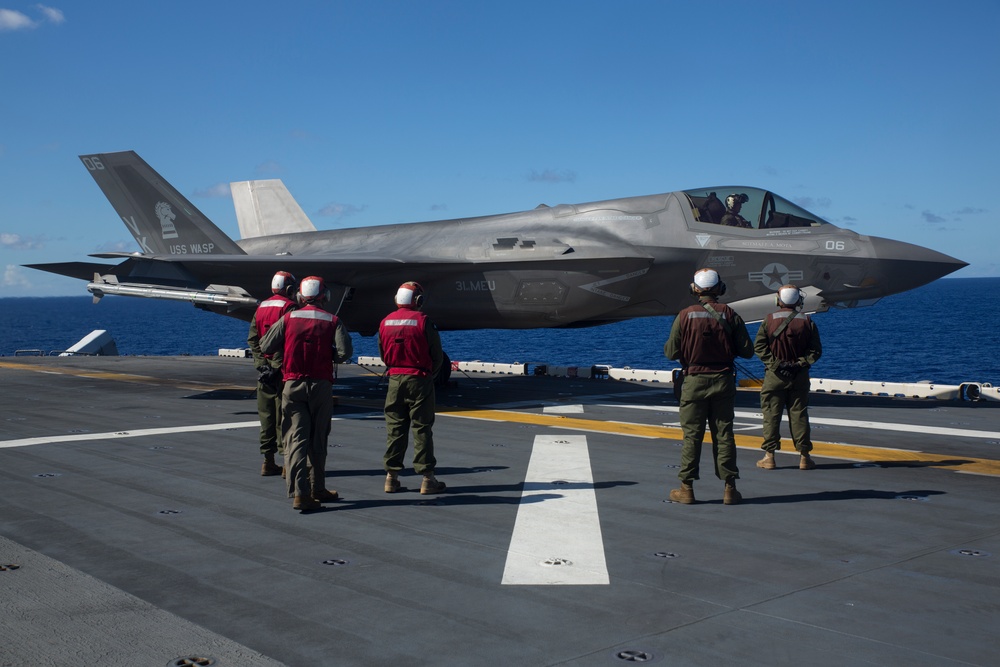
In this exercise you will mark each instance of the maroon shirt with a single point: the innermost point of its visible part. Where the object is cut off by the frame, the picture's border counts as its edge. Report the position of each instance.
(309, 340)
(403, 343)
(269, 312)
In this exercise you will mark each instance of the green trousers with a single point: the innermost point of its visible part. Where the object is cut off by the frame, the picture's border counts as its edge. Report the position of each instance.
(777, 395)
(708, 398)
(409, 403)
(269, 411)
(306, 409)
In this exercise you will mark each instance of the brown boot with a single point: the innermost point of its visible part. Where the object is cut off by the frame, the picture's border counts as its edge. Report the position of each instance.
(270, 468)
(305, 503)
(731, 496)
(767, 463)
(806, 462)
(391, 481)
(325, 496)
(430, 484)
(683, 495)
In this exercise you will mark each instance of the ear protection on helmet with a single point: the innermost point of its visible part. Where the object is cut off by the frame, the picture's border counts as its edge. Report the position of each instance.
(718, 290)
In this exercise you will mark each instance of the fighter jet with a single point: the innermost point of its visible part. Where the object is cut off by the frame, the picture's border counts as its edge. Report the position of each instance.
(551, 266)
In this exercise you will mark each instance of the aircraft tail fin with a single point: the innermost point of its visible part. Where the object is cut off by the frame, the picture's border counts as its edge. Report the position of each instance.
(160, 218)
(265, 208)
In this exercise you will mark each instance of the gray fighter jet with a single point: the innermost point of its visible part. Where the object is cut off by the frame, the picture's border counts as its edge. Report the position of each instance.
(552, 266)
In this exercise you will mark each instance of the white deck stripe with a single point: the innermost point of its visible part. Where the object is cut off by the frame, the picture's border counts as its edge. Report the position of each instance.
(557, 523)
(878, 426)
(145, 432)
(138, 433)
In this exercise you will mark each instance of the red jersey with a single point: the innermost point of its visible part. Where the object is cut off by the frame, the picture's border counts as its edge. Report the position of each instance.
(269, 312)
(403, 343)
(309, 343)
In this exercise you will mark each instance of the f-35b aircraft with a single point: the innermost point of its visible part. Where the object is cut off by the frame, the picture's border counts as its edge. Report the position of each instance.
(552, 266)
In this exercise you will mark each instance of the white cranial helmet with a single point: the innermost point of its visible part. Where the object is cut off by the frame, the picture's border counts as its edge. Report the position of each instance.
(706, 279)
(789, 295)
(313, 290)
(282, 283)
(410, 294)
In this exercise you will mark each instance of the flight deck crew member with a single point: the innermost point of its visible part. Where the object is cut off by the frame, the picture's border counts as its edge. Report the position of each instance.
(269, 369)
(706, 339)
(788, 344)
(411, 349)
(310, 339)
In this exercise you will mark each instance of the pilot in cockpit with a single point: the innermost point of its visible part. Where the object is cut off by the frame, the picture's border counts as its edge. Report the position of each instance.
(734, 203)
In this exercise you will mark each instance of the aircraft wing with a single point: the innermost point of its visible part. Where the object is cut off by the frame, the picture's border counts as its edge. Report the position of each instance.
(587, 286)
(78, 270)
(756, 308)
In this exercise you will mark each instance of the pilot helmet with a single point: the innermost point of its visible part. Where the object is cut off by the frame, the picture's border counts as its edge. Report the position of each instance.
(283, 283)
(788, 296)
(707, 281)
(411, 294)
(313, 290)
(734, 199)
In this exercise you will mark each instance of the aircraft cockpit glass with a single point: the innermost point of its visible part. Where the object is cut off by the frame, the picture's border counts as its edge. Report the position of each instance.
(749, 208)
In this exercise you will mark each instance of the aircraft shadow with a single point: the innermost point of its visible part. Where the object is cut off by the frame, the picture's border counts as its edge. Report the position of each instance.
(475, 494)
(846, 494)
(891, 464)
(450, 497)
(224, 395)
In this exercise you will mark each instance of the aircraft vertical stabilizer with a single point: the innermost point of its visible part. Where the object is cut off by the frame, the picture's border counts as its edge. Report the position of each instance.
(160, 218)
(265, 208)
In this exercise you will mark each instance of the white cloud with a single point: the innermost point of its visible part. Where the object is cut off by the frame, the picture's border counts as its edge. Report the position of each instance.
(268, 167)
(116, 246)
(217, 191)
(552, 176)
(811, 203)
(13, 276)
(18, 242)
(11, 19)
(338, 211)
(968, 210)
(52, 14)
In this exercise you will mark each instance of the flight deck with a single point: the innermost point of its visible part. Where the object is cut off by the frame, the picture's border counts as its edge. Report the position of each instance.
(135, 529)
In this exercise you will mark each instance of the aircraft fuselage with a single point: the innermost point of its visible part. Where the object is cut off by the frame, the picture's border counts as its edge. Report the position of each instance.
(565, 265)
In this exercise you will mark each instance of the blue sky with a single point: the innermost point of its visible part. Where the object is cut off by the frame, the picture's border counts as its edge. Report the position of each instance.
(880, 116)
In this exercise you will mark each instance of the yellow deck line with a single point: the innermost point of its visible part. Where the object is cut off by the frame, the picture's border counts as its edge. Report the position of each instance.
(848, 452)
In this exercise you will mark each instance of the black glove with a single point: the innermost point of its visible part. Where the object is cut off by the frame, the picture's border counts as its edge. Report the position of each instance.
(268, 376)
(786, 370)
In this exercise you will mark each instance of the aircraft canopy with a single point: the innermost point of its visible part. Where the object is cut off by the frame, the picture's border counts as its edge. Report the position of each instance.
(758, 209)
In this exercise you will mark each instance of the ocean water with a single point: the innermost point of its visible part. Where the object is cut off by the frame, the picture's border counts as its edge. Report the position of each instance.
(945, 332)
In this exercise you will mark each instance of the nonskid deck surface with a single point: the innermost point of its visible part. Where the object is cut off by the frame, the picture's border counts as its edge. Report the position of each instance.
(143, 533)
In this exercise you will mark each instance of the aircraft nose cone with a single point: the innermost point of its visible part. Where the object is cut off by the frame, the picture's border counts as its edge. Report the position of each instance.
(903, 266)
